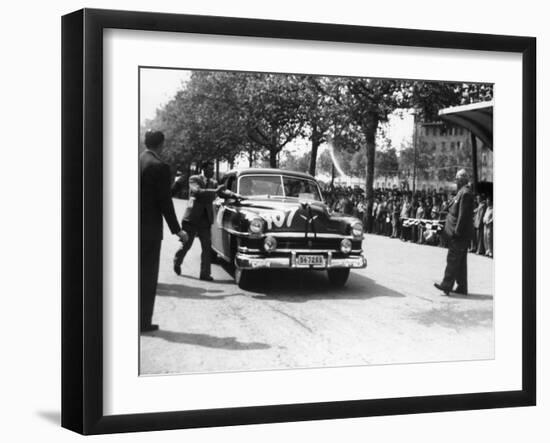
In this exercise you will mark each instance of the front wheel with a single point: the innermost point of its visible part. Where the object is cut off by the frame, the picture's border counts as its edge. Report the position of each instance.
(243, 278)
(338, 277)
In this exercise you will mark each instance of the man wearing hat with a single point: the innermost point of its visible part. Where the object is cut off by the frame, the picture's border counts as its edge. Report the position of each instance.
(155, 203)
(458, 231)
(198, 217)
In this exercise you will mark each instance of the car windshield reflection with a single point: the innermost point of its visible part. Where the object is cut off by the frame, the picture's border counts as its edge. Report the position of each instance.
(278, 186)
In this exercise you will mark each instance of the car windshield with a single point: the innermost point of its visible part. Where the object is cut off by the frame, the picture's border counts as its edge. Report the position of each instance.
(278, 186)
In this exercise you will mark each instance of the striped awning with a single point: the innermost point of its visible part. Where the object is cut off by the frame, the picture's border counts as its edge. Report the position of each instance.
(476, 117)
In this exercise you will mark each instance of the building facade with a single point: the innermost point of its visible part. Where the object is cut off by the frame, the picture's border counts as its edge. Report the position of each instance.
(442, 149)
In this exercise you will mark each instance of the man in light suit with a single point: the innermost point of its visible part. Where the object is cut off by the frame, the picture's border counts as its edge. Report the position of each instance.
(198, 218)
(479, 212)
(458, 232)
(155, 203)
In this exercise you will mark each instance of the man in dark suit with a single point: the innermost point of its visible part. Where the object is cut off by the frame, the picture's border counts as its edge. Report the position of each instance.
(155, 203)
(198, 218)
(458, 232)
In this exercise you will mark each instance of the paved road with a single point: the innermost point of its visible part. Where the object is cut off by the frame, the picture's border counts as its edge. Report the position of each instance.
(387, 313)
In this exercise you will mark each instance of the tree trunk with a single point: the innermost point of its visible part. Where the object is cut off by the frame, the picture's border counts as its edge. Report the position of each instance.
(370, 136)
(273, 158)
(315, 143)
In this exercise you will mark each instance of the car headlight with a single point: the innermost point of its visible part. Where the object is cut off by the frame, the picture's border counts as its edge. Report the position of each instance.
(357, 229)
(345, 246)
(270, 243)
(256, 226)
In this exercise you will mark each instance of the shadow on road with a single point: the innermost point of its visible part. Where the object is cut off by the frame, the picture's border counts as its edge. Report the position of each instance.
(216, 281)
(191, 292)
(302, 286)
(471, 296)
(209, 341)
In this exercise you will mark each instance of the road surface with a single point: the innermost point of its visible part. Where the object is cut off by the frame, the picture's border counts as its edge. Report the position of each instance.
(387, 313)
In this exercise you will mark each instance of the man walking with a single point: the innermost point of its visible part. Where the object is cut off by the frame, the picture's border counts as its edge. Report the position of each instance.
(458, 231)
(155, 203)
(198, 218)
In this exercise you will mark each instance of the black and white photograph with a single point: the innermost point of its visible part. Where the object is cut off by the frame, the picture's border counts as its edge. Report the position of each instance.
(298, 221)
(274, 221)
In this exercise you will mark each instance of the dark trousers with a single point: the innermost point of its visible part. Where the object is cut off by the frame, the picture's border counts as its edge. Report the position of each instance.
(480, 246)
(370, 224)
(203, 232)
(456, 270)
(148, 276)
(395, 227)
(405, 231)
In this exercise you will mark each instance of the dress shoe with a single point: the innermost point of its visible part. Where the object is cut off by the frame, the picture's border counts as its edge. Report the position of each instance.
(442, 288)
(461, 291)
(206, 278)
(177, 267)
(150, 328)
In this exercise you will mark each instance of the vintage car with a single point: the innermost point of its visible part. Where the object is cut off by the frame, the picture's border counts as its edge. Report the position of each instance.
(279, 220)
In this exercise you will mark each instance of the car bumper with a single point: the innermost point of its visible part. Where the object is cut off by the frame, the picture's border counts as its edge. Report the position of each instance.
(253, 261)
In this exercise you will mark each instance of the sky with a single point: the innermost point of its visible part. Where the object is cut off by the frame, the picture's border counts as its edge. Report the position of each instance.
(159, 86)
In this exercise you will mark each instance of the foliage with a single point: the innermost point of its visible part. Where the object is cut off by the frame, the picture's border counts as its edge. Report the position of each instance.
(224, 115)
(293, 162)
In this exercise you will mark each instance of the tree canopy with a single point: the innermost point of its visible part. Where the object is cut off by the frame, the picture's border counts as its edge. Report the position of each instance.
(224, 115)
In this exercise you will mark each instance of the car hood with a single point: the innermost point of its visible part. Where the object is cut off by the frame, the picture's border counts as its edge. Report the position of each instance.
(293, 215)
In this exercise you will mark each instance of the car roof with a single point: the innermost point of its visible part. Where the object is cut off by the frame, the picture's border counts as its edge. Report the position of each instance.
(269, 171)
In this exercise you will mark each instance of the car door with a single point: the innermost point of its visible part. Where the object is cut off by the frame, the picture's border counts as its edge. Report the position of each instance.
(226, 215)
(217, 225)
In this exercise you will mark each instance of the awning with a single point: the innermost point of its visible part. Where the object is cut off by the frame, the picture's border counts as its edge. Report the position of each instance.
(476, 117)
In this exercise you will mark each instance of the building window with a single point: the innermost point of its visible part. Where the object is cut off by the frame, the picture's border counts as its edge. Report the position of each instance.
(434, 146)
(452, 146)
(443, 146)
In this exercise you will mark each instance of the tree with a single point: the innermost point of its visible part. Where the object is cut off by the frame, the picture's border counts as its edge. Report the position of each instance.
(386, 162)
(368, 102)
(324, 165)
(217, 124)
(318, 112)
(422, 159)
(201, 122)
(357, 163)
(294, 162)
(271, 107)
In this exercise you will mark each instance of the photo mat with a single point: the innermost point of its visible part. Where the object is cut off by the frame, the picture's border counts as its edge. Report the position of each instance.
(216, 327)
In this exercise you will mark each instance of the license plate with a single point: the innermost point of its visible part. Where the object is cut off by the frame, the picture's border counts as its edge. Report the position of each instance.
(310, 260)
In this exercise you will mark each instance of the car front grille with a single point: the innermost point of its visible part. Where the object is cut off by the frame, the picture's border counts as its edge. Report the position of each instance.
(316, 244)
(310, 243)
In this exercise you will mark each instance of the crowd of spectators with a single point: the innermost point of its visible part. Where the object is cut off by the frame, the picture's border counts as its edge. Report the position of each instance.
(411, 216)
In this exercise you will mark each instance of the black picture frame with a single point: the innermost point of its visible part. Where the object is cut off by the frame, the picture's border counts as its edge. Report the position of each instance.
(82, 218)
